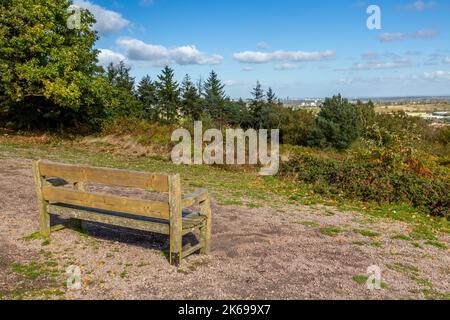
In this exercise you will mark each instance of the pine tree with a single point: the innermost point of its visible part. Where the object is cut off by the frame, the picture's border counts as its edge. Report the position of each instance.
(119, 76)
(168, 94)
(191, 105)
(271, 97)
(146, 93)
(257, 105)
(215, 98)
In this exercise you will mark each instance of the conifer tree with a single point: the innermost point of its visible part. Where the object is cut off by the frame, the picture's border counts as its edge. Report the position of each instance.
(146, 93)
(257, 105)
(215, 98)
(191, 105)
(168, 95)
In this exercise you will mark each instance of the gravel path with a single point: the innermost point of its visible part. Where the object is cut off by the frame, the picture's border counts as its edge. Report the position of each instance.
(258, 253)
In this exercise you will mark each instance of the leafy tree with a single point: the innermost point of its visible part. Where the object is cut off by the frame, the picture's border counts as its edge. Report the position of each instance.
(46, 68)
(146, 93)
(215, 98)
(168, 94)
(191, 104)
(337, 125)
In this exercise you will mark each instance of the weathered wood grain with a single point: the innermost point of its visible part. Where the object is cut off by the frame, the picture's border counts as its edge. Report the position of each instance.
(107, 176)
(175, 219)
(108, 219)
(44, 217)
(145, 208)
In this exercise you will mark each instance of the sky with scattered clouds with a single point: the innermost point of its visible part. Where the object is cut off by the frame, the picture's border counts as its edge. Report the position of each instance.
(299, 48)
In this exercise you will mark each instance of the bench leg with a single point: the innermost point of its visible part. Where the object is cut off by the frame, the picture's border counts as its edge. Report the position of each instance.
(44, 222)
(76, 223)
(44, 216)
(176, 248)
(205, 230)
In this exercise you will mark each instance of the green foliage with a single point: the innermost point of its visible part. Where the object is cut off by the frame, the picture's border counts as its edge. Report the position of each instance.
(123, 97)
(46, 69)
(257, 105)
(168, 95)
(294, 125)
(444, 135)
(146, 93)
(369, 180)
(215, 98)
(191, 104)
(339, 123)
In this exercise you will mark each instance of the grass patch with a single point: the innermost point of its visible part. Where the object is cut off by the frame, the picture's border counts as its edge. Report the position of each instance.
(376, 244)
(417, 245)
(436, 244)
(310, 224)
(402, 237)
(367, 233)
(29, 271)
(331, 231)
(405, 269)
(362, 279)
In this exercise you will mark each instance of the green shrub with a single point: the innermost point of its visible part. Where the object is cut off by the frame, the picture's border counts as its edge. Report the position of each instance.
(357, 178)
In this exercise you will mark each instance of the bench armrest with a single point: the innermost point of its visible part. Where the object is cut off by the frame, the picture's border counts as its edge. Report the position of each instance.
(195, 198)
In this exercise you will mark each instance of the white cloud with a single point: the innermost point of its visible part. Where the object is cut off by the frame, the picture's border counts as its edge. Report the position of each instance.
(158, 55)
(286, 66)
(262, 45)
(345, 81)
(379, 65)
(446, 60)
(107, 56)
(420, 5)
(233, 83)
(280, 55)
(437, 75)
(388, 37)
(421, 34)
(107, 21)
(424, 34)
(247, 69)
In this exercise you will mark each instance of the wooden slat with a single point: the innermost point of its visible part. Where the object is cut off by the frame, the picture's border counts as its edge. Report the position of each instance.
(195, 198)
(107, 176)
(191, 250)
(145, 208)
(193, 220)
(108, 219)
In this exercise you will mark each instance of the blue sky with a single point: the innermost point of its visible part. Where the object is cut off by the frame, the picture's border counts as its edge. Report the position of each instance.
(299, 48)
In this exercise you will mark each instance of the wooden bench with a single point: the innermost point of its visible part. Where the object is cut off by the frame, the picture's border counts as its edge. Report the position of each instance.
(54, 197)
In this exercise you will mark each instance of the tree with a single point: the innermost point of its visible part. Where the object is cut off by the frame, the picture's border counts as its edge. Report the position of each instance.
(146, 93)
(119, 76)
(123, 91)
(191, 104)
(337, 125)
(271, 97)
(46, 68)
(168, 94)
(215, 98)
(257, 105)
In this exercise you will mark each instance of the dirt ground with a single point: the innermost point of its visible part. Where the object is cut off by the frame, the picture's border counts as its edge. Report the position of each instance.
(258, 253)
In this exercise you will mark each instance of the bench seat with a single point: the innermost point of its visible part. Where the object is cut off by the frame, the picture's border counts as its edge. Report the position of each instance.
(190, 220)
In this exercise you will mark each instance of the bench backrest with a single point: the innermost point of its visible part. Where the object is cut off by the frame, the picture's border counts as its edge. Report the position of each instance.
(112, 177)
